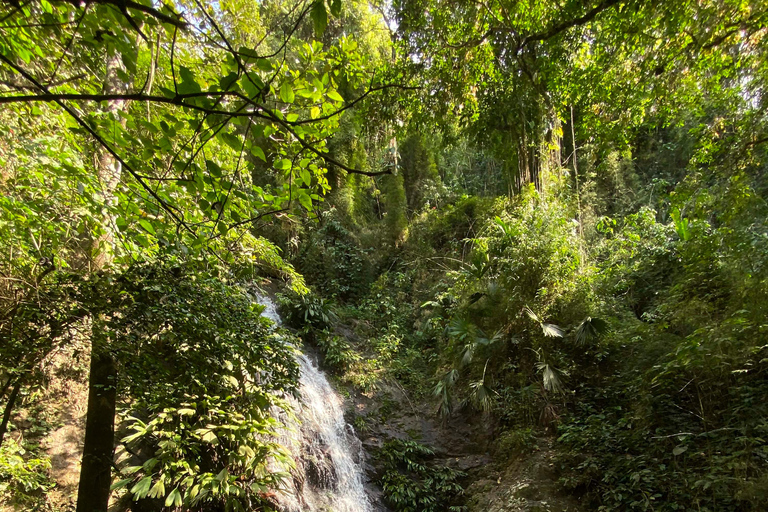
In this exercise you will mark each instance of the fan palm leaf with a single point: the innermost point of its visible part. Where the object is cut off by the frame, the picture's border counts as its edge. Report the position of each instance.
(589, 329)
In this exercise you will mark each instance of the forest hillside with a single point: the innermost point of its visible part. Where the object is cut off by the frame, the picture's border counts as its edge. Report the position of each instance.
(518, 251)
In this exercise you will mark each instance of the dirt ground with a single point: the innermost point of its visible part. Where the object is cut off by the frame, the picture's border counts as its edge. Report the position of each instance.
(53, 416)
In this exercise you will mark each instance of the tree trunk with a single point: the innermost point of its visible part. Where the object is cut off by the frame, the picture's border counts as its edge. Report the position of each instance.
(109, 170)
(96, 471)
(9, 409)
(576, 174)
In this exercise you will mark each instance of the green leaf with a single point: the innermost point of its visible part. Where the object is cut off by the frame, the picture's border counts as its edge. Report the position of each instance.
(252, 84)
(130, 469)
(305, 201)
(174, 498)
(336, 7)
(264, 65)
(141, 488)
(679, 450)
(213, 168)
(232, 141)
(158, 490)
(283, 164)
(258, 153)
(306, 177)
(188, 83)
(286, 93)
(319, 16)
(247, 52)
(335, 96)
(210, 437)
(147, 226)
(226, 82)
(120, 484)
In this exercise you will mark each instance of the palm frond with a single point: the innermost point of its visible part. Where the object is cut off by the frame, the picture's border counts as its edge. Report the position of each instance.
(497, 336)
(461, 329)
(468, 353)
(505, 228)
(475, 297)
(551, 380)
(549, 415)
(552, 330)
(442, 391)
(494, 294)
(528, 311)
(589, 329)
(480, 395)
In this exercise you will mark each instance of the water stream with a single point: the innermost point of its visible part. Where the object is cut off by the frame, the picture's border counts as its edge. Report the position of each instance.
(328, 455)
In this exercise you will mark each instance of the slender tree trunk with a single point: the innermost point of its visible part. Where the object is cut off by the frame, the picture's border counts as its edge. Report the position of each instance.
(576, 173)
(8, 409)
(6, 386)
(109, 170)
(96, 470)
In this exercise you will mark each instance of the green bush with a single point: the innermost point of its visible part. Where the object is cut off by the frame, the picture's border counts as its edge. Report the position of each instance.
(22, 474)
(307, 311)
(206, 444)
(412, 482)
(513, 443)
(673, 420)
(333, 262)
(337, 352)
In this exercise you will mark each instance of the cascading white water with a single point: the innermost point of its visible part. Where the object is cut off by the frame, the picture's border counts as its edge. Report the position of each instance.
(328, 476)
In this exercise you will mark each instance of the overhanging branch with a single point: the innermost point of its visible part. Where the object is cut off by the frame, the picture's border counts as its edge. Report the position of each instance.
(565, 25)
(123, 5)
(165, 206)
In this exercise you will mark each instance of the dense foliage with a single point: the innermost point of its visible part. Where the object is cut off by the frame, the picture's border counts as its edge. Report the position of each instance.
(548, 218)
(210, 441)
(413, 482)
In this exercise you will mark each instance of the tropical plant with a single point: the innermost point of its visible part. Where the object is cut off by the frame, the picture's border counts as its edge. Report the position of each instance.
(412, 482)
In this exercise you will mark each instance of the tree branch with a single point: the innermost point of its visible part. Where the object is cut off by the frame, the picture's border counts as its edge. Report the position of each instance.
(165, 206)
(122, 5)
(355, 102)
(177, 100)
(565, 25)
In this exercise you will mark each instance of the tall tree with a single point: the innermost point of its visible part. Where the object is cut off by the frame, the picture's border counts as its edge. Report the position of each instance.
(98, 447)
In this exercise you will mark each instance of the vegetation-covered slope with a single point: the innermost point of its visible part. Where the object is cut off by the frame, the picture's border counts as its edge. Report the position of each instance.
(545, 218)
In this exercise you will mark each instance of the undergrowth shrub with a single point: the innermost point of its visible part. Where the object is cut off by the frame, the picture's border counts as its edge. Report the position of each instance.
(673, 420)
(333, 262)
(515, 442)
(307, 311)
(413, 482)
(23, 474)
(206, 444)
(337, 352)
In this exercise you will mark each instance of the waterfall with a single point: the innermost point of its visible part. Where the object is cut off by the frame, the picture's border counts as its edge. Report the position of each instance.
(328, 475)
